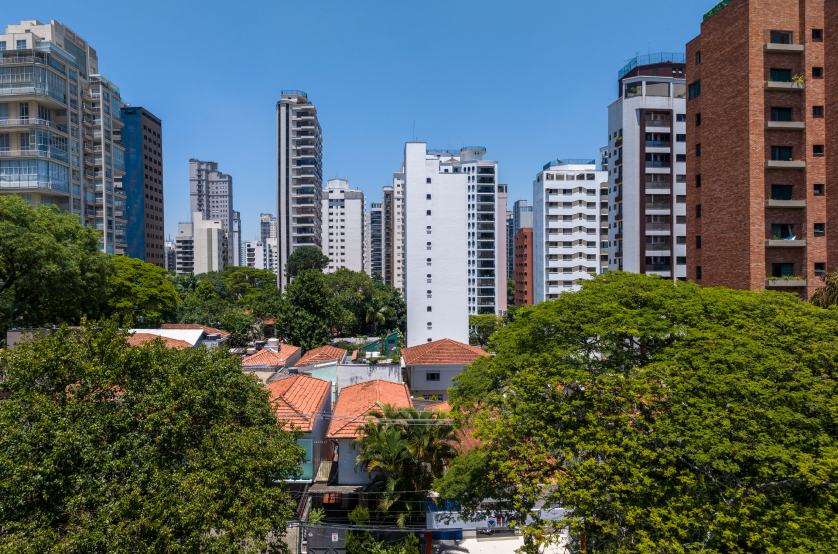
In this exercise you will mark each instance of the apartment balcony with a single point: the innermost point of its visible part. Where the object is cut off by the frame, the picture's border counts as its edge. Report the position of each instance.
(485, 245)
(485, 180)
(785, 283)
(782, 86)
(784, 164)
(33, 121)
(794, 204)
(657, 164)
(88, 147)
(38, 92)
(785, 125)
(658, 122)
(658, 144)
(658, 248)
(86, 108)
(658, 205)
(88, 173)
(52, 153)
(485, 189)
(87, 121)
(87, 135)
(658, 267)
(486, 208)
(773, 48)
(785, 243)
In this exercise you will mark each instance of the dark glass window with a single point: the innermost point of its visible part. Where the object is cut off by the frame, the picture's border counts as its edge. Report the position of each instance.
(698, 120)
(698, 210)
(680, 157)
(781, 153)
(817, 111)
(698, 150)
(819, 190)
(782, 231)
(817, 72)
(781, 192)
(820, 268)
(681, 260)
(697, 181)
(698, 242)
(817, 35)
(695, 88)
(782, 270)
(781, 37)
(820, 229)
(698, 273)
(781, 75)
(681, 117)
(681, 138)
(780, 114)
(817, 150)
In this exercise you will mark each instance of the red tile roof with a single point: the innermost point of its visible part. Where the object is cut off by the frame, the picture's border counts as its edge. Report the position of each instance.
(139, 339)
(322, 354)
(271, 357)
(444, 351)
(356, 401)
(210, 330)
(467, 440)
(298, 398)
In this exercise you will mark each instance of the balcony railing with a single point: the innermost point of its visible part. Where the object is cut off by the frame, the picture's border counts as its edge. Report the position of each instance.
(661, 143)
(657, 164)
(658, 267)
(33, 121)
(657, 247)
(658, 123)
(657, 205)
(32, 88)
(656, 227)
(53, 153)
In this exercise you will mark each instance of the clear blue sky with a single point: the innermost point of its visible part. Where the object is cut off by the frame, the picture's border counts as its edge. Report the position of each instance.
(530, 81)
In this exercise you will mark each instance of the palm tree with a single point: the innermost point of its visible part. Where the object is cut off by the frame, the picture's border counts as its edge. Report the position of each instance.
(827, 295)
(385, 454)
(377, 311)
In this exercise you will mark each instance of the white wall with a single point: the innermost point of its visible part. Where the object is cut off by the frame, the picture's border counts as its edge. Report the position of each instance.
(344, 226)
(347, 475)
(419, 385)
(208, 236)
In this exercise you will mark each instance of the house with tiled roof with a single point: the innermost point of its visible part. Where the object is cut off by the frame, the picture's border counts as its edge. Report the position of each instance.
(322, 355)
(273, 358)
(140, 339)
(305, 403)
(191, 337)
(431, 367)
(209, 330)
(351, 411)
(467, 440)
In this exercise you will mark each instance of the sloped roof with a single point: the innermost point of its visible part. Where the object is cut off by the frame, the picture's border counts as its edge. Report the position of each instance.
(298, 398)
(192, 336)
(270, 358)
(356, 401)
(321, 354)
(210, 330)
(467, 440)
(444, 351)
(139, 339)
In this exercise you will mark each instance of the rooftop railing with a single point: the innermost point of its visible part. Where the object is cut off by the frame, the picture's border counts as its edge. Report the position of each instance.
(661, 57)
(296, 92)
(464, 148)
(568, 161)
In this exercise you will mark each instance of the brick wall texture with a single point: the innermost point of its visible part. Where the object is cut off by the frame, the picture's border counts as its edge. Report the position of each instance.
(735, 144)
(524, 270)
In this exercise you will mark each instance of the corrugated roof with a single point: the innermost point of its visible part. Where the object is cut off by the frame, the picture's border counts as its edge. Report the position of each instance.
(356, 401)
(444, 351)
(321, 354)
(298, 398)
(271, 357)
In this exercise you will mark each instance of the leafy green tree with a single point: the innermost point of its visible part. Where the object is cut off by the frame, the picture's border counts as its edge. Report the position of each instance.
(482, 327)
(305, 258)
(106, 448)
(510, 292)
(244, 281)
(265, 302)
(305, 311)
(185, 284)
(218, 281)
(664, 417)
(349, 290)
(377, 308)
(140, 293)
(51, 267)
(396, 317)
(827, 295)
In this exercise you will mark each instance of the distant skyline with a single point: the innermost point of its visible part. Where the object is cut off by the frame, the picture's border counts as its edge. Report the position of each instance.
(529, 81)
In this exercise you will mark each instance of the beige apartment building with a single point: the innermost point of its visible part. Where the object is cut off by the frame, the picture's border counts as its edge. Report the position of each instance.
(60, 128)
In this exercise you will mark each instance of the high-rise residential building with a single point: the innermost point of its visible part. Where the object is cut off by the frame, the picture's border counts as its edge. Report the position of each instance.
(521, 215)
(367, 243)
(510, 243)
(267, 226)
(60, 124)
(200, 245)
(211, 195)
(343, 223)
(377, 239)
(760, 146)
(396, 228)
(388, 244)
(142, 185)
(524, 273)
(569, 226)
(171, 255)
(261, 255)
(647, 182)
(455, 242)
(234, 241)
(299, 152)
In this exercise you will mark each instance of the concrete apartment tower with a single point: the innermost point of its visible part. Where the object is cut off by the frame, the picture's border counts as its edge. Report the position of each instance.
(200, 245)
(510, 242)
(367, 243)
(647, 181)
(395, 228)
(343, 220)
(261, 255)
(299, 164)
(211, 196)
(142, 185)
(761, 139)
(569, 227)
(520, 224)
(267, 226)
(376, 252)
(60, 123)
(455, 241)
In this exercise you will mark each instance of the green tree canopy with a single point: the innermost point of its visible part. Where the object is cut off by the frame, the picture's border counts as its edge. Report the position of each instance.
(667, 418)
(140, 293)
(51, 268)
(482, 327)
(510, 292)
(305, 311)
(244, 281)
(106, 448)
(304, 258)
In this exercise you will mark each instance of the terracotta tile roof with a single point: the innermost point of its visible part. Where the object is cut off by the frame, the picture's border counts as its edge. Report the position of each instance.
(139, 339)
(210, 330)
(270, 321)
(322, 354)
(271, 357)
(356, 401)
(298, 398)
(444, 351)
(467, 440)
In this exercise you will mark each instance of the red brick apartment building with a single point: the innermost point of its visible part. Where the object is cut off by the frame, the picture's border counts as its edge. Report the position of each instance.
(524, 271)
(761, 209)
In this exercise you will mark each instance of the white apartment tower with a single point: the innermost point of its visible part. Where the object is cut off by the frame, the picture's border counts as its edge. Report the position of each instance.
(648, 171)
(261, 255)
(200, 245)
(455, 241)
(395, 228)
(569, 226)
(299, 164)
(343, 222)
(60, 128)
(367, 243)
(211, 196)
(267, 226)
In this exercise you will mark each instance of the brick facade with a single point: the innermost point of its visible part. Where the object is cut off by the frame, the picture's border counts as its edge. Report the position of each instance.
(524, 270)
(734, 106)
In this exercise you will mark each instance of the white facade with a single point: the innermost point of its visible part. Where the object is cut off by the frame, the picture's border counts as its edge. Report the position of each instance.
(211, 195)
(344, 226)
(200, 245)
(261, 255)
(647, 181)
(396, 229)
(299, 145)
(568, 233)
(455, 241)
(367, 243)
(267, 226)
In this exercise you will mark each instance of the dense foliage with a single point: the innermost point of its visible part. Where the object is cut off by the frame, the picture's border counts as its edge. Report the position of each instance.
(482, 327)
(106, 448)
(363, 542)
(303, 259)
(667, 418)
(140, 294)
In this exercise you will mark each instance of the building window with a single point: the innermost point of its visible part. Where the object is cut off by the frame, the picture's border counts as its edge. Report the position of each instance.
(680, 157)
(698, 57)
(820, 229)
(21, 44)
(681, 138)
(781, 153)
(698, 210)
(695, 89)
(2, 45)
(817, 35)
(432, 376)
(780, 75)
(428, 212)
(698, 181)
(681, 260)
(681, 219)
(817, 150)
(428, 180)
(427, 196)
(429, 277)
(698, 242)
(698, 273)
(781, 192)
(782, 270)
(781, 37)
(782, 231)
(633, 89)
(681, 117)
(819, 190)
(780, 114)
(820, 268)
(698, 150)
(429, 246)
(681, 240)
(817, 111)
(429, 261)
(817, 72)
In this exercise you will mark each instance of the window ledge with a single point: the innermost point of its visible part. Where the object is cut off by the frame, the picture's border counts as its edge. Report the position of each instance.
(785, 125)
(785, 243)
(778, 164)
(785, 283)
(785, 203)
(780, 85)
(784, 48)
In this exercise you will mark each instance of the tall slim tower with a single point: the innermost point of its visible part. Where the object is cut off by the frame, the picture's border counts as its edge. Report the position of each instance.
(343, 216)
(299, 181)
(211, 194)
